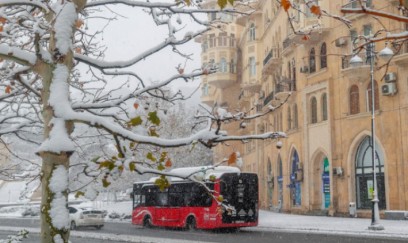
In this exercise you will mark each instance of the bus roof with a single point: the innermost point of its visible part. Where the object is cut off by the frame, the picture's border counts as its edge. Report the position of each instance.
(199, 172)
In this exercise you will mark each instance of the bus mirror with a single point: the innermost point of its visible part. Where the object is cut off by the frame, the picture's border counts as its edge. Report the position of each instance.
(131, 195)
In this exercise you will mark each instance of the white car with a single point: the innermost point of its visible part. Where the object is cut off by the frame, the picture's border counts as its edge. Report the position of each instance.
(85, 217)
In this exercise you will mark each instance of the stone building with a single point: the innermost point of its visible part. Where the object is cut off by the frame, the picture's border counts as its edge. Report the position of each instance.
(325, 162)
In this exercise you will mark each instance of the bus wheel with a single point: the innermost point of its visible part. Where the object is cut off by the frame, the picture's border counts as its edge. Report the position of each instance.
(147, 222)
(191, 223)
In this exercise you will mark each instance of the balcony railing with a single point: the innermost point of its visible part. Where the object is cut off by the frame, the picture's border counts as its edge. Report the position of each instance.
(356, 4)
(271, 60)
(267, 58)
(287, 42)
(268, 98)
(401, 57)
(345, 62)
(358, 73)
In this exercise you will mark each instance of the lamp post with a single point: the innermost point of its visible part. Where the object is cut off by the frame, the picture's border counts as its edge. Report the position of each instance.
(356, 61)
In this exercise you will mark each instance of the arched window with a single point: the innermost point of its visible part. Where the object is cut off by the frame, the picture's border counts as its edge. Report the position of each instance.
(295, 184)
(289, 70)
(293, 80)
(324, 107)
(280, 181)
(369, 97)
(251, 32)
(295, 116)
(313, 110)
(364, 175)
(223, 65)
(312, 61)
(323, 56)
(289, 119)
(280, 121)
(354, 99)
(270, 182)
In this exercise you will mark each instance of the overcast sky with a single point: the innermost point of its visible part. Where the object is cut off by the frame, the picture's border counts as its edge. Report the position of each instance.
(135, 32)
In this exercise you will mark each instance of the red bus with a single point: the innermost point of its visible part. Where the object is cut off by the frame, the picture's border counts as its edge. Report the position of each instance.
(187, 204)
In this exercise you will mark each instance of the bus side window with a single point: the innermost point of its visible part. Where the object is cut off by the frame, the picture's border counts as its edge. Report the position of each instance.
(176, 200)
(176, 196)
(136, 200)
(200, 196)
(162, 198)
(149, 196)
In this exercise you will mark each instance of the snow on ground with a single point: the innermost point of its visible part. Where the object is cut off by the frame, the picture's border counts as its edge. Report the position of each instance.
(268, 221)
(10, 191)
(271, 221)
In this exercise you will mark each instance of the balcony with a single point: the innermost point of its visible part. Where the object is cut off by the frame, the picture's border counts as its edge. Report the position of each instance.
(360, 73)
(355, 5)
(271, 61)
(311, 33)
(401, 58)
(251, 85)
(222, 80)
(224, 77)
(269, 98)
(283, 88)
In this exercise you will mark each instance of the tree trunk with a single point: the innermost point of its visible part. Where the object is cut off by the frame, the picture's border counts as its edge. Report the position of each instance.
(54, 211)
(49, 163)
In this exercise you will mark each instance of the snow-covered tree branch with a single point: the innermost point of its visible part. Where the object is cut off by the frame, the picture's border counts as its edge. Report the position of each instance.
(95, 113)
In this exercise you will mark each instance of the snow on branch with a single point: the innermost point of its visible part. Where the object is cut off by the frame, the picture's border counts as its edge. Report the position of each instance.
(374, 12)
(18, 55)
(171, 41)
(34, 3)
(139, 92)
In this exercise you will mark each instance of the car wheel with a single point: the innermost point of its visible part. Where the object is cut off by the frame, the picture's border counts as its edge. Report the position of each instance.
(73, 225)
(99, 227)
(191, 223)
(147, 222)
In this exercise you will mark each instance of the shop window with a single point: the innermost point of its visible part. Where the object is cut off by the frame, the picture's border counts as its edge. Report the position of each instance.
(364, 175)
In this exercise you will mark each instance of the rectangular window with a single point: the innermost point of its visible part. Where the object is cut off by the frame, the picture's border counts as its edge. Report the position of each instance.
(251, 32)
(213, 16)
(353, 37)
(367, 30)
(212, 40)
(252, 66)
(369, 3)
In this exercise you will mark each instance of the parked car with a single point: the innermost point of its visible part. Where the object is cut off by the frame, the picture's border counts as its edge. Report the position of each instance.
(85, 217)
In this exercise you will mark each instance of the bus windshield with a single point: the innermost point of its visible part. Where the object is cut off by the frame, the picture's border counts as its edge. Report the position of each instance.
(240, 191)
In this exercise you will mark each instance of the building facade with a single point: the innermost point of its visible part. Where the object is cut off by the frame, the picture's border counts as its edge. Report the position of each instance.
(325, 162)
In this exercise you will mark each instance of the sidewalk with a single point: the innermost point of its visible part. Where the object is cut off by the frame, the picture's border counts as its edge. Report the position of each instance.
(280, 222)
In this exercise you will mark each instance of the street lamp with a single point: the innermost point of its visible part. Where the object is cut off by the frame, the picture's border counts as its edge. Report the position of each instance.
(356, 61)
